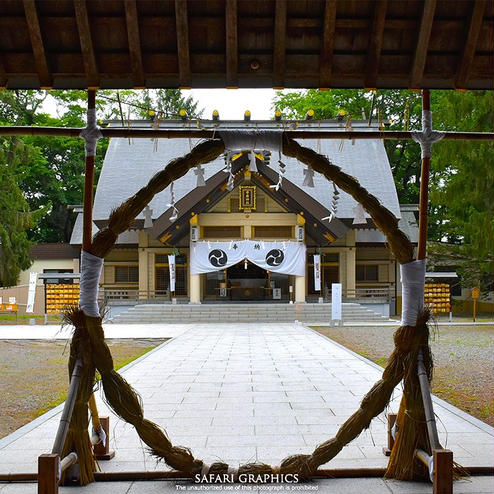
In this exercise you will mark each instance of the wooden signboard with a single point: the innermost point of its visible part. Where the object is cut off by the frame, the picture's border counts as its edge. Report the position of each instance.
(8, 307)
(247, 197)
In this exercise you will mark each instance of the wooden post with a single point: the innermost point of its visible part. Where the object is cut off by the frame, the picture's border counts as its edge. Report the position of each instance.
(391, 439)
(48, 473)
(443, 471)
(87, 228)
(424, 189)
(102, 451)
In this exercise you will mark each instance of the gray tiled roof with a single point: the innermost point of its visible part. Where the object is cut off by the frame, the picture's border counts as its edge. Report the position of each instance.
(407, 224)
(128, 166)
(127, 237)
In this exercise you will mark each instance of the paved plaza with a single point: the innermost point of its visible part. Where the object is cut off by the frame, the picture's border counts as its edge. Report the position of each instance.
(253, 392)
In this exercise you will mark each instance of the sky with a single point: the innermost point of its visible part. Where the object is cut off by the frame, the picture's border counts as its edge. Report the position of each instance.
(232, 103)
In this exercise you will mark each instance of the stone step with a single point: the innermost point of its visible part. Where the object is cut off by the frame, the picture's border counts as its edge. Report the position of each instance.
(185, 313)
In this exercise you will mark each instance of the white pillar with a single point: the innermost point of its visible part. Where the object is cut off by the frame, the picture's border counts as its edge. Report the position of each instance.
(143, 273)
(299, 288)
(195, 288)
(350, 272)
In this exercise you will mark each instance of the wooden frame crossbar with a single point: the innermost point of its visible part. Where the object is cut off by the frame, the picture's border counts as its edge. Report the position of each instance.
(50, 466)
(212, 133)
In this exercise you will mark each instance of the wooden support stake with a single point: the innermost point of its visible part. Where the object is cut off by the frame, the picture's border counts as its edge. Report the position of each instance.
(391, 439)
(443, 471)
(102, 451)
(48, 473)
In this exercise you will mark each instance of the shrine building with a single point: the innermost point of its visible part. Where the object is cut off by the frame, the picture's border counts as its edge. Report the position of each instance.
(246, 226)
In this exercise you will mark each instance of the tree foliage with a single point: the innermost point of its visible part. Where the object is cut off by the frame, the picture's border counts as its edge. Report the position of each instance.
(15, 216)
(461, 220)
(46, 174)
(461, 189)
(53, 176)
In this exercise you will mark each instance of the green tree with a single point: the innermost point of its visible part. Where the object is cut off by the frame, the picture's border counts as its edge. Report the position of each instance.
(461, 188)
(56, 176)
(145, 103)
(15, 216)
(461, 220)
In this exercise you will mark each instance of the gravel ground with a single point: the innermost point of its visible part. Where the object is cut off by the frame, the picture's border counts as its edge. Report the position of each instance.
(34, 378)
(463, 358)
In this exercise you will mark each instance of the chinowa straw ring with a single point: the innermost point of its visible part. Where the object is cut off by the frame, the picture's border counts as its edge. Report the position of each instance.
(89, 344)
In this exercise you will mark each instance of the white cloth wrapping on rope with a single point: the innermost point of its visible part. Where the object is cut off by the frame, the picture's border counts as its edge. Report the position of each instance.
(91, 133)
(279, 257)
(91, 267)
(427, 137)
(413, 284)
(251, 139)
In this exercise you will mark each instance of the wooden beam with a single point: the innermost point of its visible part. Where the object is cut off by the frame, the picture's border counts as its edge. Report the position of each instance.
(183, 50)
(463, 71)
(37, 44)
(231, 48)
(211, 133)
(424, 193)
(87, 213)
(375, 43)
(85, 39)
(327, 44)
(132, 21)
(3, 74)
(424, 35)
(279, 48)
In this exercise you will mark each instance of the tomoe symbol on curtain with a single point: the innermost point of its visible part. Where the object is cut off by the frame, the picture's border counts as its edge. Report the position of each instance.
(275, 257)
(218, 257)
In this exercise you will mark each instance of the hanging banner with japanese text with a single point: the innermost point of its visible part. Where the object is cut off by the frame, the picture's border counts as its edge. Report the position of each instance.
(171, 267)
(279, 257)
(317, 272)
(32, 292)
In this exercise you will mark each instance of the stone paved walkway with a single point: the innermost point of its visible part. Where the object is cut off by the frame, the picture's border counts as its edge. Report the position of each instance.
(253, 393)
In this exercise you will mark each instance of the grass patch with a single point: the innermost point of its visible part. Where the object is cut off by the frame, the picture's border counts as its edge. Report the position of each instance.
(122, 361)
(12, 318)
(34, 375)
(119, 362)
(464, 366)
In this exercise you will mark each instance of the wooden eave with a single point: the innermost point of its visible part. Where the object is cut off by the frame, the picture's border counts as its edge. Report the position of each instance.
(69, 44)
(202, 199)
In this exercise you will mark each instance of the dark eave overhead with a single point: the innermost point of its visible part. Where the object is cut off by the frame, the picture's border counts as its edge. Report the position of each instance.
(247, 43)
